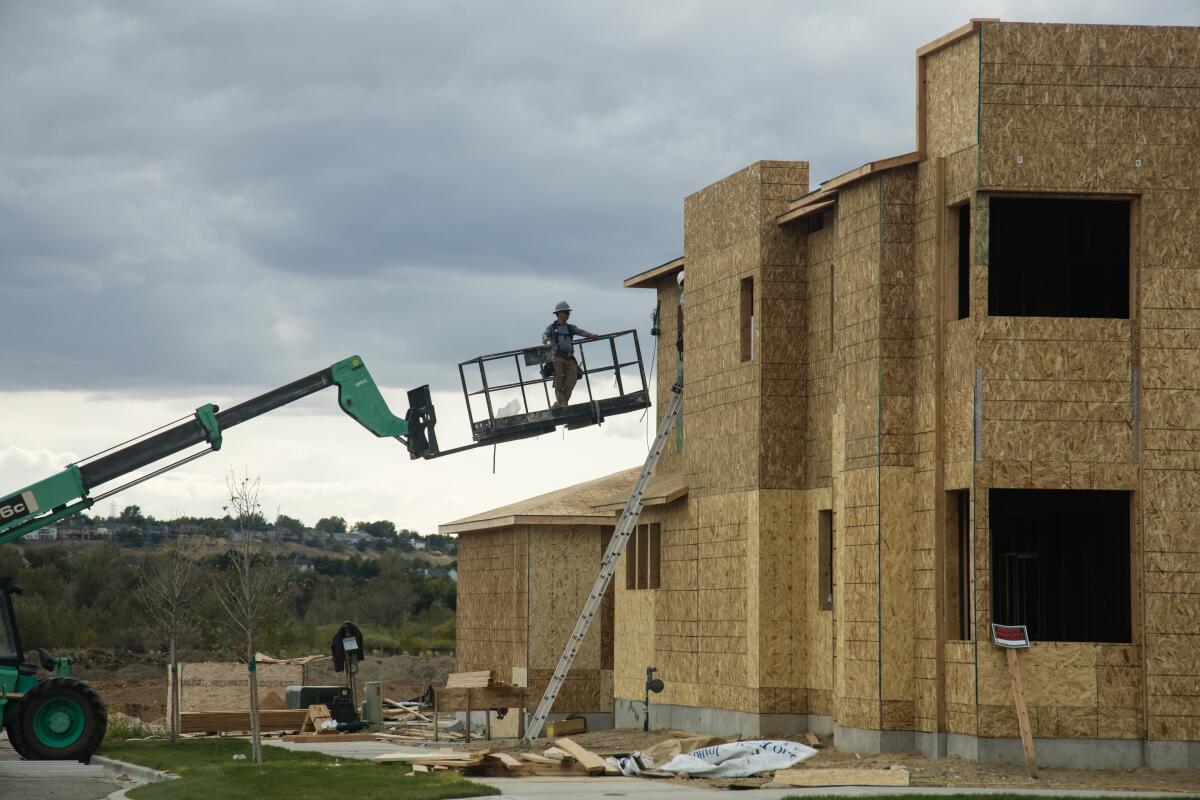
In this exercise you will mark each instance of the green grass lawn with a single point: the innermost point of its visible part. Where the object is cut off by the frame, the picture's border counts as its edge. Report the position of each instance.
(208, 771)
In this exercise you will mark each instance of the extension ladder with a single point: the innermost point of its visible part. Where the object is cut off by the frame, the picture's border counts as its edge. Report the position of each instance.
(608, 565)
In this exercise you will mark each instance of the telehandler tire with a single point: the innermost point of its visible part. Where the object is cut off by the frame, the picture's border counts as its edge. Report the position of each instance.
(59, 719)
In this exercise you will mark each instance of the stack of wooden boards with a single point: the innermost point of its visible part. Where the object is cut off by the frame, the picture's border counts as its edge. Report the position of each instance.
(230, 721)
(470, 680)
(566, 758)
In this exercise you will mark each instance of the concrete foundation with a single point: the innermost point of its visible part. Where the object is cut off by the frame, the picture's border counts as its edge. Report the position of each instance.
(1075, 753)
(860, 740)
(716, 721)
(1173, 755)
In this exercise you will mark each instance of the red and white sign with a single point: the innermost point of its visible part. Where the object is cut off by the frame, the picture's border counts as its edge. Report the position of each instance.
(1010, 635)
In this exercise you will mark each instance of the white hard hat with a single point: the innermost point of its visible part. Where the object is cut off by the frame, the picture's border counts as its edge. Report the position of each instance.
(563, 305)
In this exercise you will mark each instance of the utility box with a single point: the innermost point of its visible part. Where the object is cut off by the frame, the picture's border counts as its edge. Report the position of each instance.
(304, 696)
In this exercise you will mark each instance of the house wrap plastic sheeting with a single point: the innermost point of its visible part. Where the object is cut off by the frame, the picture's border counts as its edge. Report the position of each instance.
(733, 760)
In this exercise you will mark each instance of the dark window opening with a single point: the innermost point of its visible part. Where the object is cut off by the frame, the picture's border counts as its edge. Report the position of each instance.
(1058, 258)
(1060, 563)
(825, 559)
(643, 557)
(958, 565)
(816, 222)
(747, 318)
(964, 261)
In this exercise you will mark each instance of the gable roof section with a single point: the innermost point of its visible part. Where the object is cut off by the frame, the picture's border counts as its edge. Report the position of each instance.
(596, 502)
(648, 279)
(826, 196)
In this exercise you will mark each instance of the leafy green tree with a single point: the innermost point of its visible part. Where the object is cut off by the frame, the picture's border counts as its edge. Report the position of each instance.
(442, 543)
(382, 528)
(132, 515)
(291, 523)
(331, 525)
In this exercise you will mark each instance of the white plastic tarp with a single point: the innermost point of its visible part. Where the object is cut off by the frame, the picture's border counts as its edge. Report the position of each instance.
(732, 760)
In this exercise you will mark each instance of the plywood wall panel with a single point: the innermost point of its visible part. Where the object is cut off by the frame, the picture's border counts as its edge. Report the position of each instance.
(557, 595)
(491, 616)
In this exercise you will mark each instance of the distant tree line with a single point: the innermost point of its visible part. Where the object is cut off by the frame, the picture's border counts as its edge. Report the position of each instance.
(76, 598)
(132, 528)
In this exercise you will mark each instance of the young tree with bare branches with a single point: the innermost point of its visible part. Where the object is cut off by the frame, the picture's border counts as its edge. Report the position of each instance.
(167, 591)
(254, 589)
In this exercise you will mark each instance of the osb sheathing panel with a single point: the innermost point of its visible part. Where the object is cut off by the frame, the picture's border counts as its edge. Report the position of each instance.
(961, 712)
(585, 690)
(1082, 104)
(896, 597)
(491, 616)
(781, 572)
(224, 686)
(815, 626)
(667, 359)
(927, 318)
(952, 97)
(1048, 376)
(729, 234)
(820, 355)
(564, 562)
(1071, 689)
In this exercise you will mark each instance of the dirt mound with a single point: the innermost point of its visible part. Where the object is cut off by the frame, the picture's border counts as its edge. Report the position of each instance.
(140, 672)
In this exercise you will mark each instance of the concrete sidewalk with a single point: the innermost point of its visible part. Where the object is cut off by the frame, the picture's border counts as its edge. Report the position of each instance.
(583, 788)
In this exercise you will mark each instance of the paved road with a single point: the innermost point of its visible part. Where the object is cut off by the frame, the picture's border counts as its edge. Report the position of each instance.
(51, 780)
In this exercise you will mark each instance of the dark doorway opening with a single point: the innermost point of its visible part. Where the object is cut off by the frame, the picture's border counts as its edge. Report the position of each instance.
(1060, 563)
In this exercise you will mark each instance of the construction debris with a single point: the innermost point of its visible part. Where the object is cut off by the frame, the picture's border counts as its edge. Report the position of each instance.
(564, 727)
(730, 760)
(566, 759)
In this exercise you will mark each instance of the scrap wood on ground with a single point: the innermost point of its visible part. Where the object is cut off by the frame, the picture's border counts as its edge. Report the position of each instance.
(565, 759)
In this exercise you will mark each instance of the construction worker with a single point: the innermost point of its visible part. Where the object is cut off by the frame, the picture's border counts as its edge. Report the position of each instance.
(560, 335)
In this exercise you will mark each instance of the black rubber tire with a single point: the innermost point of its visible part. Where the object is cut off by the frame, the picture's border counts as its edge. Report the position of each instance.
(14, 735)
(95, 721)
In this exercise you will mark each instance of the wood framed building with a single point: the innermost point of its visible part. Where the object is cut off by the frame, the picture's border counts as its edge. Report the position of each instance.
(949, 388)
(524, 572)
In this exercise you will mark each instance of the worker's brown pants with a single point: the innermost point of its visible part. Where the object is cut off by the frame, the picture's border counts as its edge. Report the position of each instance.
(566, 372)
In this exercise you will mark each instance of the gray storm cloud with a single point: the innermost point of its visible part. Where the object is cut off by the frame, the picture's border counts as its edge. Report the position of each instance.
(227, 194)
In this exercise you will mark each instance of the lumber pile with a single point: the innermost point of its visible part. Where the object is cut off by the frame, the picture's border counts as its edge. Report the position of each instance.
(566, 758)
(231, 721)
(563, 727)
(469, 680)
(414, 721)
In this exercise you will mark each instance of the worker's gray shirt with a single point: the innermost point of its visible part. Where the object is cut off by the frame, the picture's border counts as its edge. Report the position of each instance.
(562, 338)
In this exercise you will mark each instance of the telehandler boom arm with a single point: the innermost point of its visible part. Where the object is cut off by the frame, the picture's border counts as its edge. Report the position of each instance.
(69, 492)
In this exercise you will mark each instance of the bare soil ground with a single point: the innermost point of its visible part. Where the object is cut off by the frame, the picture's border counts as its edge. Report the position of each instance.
(136, 683)
(949, 772)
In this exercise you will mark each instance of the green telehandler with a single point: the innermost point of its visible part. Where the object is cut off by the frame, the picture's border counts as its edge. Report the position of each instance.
(61, 717)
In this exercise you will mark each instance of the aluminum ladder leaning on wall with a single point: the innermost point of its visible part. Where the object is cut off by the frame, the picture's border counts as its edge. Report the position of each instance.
(608, 566)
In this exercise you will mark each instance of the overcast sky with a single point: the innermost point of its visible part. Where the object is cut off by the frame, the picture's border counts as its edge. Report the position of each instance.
(201, 201)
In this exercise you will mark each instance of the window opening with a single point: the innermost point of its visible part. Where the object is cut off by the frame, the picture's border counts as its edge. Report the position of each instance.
(643, 557)
(1060, 561)
(957, 575)
(964, 262)
(825, 559)
(1057, 257)
(747, 318)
